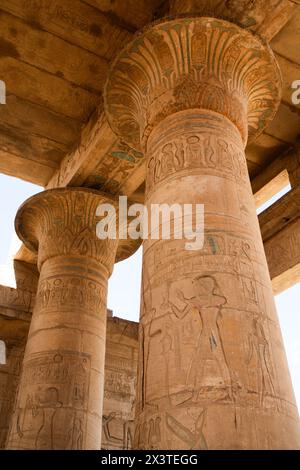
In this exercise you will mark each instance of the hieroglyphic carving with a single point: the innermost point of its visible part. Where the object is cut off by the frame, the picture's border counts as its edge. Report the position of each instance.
(201, 151)
(112, 438)
(186, 335)
(57, 386)
(209, 355)
(113, 171)
(259, 351)
(239, 256)
(119, 384)
(282, 250)
(149, 434)
(9, 379)
(68, 291)
(16, 299)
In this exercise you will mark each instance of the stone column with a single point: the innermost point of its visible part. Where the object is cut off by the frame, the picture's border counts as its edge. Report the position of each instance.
(15, 315)
(213, 373)
(59, 403)
(13, 333)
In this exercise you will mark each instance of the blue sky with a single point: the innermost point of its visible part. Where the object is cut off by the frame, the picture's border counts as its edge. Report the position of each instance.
(124, 285)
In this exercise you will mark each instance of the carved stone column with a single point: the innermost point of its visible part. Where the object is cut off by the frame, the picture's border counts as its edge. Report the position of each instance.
(15, 315)
(59, 403)
(212, 368)
(14, 329)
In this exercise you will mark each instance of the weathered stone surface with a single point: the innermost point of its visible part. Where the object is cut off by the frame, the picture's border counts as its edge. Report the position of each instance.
(265, 17)
(119, 377)
(190, 91)
(16, 306)
(14, 327)
(59, 403)
(9, 379)
(280, 229)
(121, 359)
(14, 301)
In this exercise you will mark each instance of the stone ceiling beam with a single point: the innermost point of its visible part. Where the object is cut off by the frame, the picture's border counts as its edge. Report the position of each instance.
(266, 21)
(280, 228)
(96, 140)
(289, 161)
(100, 161)
(283, 256)
(282, 213)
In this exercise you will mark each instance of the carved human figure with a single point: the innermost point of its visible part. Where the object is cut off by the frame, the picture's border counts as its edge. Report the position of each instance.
(194, 151)
(49, 403)
(36, 421)
(208, 366)
(154, 432)
(29, 419)
(127, 435)
(259, 352)
(167, 159)
(75, 440)
(172, 333)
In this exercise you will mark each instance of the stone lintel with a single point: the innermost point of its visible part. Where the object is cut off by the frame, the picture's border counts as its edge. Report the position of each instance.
(280, 228)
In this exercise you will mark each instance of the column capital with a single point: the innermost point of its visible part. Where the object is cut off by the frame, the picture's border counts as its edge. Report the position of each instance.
(192, 62)
(62, 222)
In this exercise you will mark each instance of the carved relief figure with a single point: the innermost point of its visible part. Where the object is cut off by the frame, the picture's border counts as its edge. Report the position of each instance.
(148, 435)
(145, 338)
(75, 435)
(194, 150)
(141, 435)
(58, 293)
(56, 385)
(38, 417)
(259, 353)
(154, 432)
(209, 365)
(112, 424)
(48, 403)
(171, 334)
(30, 419)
